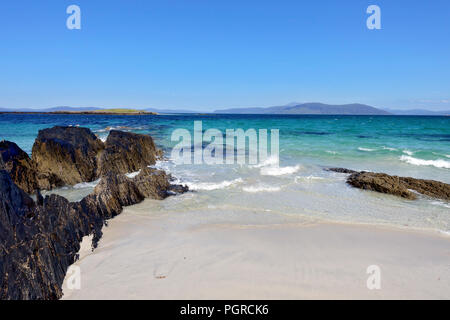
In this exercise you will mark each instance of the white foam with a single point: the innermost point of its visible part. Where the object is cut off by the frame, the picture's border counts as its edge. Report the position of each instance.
(260, 188)
(270, 161)
(389, 148)
(440, 163)
(409, 153)
(308, 178)
(445, 233)
(133, 174)
(441, 204)
(331, 151)
(84, 185)
(365, 149)
(279, 171)
(208, 186)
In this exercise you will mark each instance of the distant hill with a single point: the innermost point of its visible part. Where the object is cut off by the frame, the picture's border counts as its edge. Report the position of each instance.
(170, 111)
(311, 108)
(418, 112)
(53, 109)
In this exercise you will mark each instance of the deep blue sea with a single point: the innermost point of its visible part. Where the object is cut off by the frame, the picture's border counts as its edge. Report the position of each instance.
(298, 188)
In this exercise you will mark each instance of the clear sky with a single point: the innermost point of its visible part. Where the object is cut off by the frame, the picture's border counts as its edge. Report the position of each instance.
(211, 54)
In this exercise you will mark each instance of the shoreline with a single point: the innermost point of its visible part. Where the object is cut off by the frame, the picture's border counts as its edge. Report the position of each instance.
(172, 260)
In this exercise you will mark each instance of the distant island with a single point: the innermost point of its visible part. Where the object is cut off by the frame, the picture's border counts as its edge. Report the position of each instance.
(96, 111)
(311, 108)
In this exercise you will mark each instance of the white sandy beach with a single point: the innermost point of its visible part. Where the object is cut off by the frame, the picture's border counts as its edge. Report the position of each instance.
(165, 256)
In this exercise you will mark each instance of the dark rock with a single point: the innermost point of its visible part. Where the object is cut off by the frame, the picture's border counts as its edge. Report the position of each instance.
(341, 170)
(399, 186)
(68, 153)
(380, 182)
(39, 241)
(127, 152)
(23, 170)
(19, 166)
(431, 188)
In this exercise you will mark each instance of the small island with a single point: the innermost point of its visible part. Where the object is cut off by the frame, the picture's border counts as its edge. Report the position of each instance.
(99, 111)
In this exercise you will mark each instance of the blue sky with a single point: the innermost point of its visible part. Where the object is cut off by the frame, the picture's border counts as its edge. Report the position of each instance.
(209, 54)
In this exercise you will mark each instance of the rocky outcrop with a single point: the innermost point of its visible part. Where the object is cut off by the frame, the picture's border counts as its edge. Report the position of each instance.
(398, 186)
(127, 152)
(40, 239)
(68, 153)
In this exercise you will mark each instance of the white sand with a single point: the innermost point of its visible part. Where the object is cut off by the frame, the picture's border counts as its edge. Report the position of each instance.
(167, 260)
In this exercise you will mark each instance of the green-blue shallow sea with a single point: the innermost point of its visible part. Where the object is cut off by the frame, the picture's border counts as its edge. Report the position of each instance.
(297, 189)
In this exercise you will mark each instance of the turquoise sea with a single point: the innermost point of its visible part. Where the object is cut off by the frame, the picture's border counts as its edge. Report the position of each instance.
(296, 190)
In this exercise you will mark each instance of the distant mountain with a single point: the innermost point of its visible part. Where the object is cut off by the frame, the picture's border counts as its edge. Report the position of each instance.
(65, 108)
(170, 111)
(418, 112)
(311, 108)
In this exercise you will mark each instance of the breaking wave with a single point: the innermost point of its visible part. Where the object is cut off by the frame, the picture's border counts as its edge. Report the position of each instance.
(440, 163)
(209, 186)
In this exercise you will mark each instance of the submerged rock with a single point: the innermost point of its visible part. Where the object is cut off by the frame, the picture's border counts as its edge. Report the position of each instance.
(69, 153)
(127, 152)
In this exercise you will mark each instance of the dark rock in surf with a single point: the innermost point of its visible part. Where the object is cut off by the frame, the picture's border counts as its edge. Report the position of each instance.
(341, 170)
(127, 152)
(431, 188)
(380, 182)
(398, 186)
(68, 153)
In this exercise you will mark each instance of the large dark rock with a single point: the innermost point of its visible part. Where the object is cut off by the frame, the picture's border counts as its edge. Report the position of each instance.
(23, 170)
(69, 153)
(127, 152)
(40, 240)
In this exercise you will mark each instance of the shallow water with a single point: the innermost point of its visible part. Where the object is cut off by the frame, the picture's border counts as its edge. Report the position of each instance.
(298, 188)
